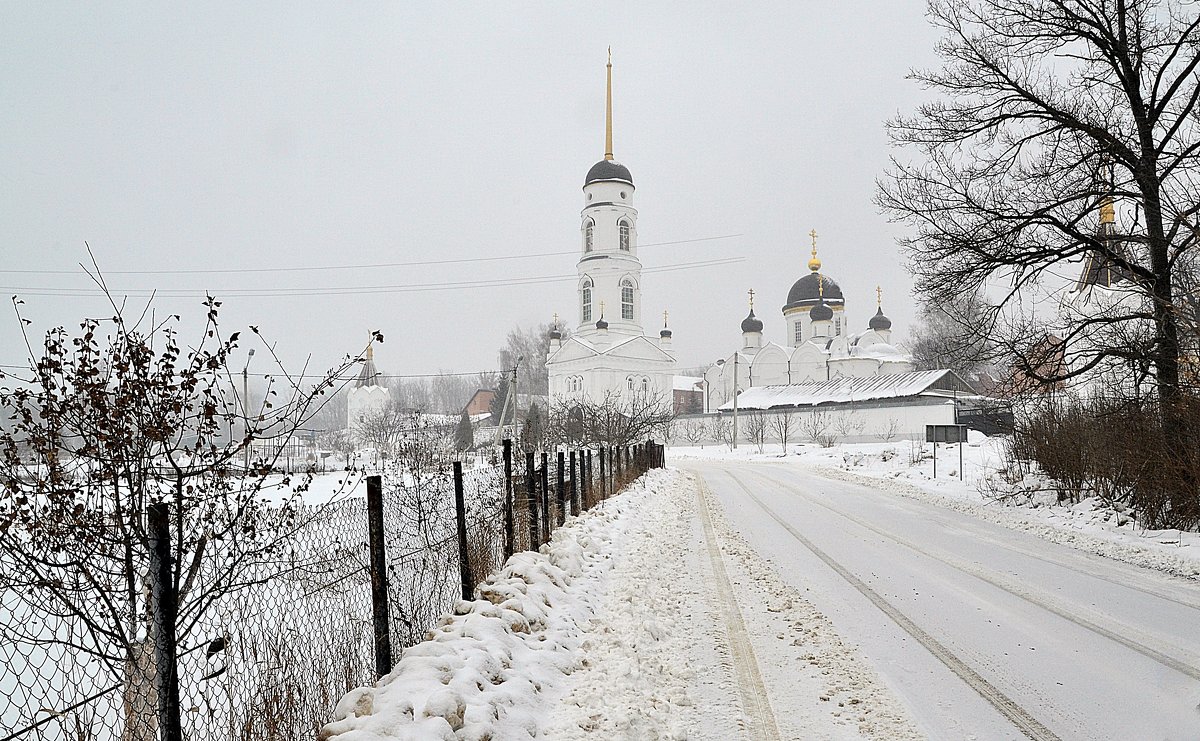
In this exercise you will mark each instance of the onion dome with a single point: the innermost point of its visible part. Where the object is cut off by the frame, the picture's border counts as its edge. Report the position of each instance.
(608, 170)
(879, 321)
(752, 323)
(555, 334)
(600, 323)
(821, 313)
(664, 333)
(808, 290)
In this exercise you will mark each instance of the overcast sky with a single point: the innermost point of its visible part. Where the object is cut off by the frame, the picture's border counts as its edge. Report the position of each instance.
(255, 136)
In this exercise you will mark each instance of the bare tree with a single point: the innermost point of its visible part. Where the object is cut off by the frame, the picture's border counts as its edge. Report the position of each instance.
(815, 425)
(527, 349)
(722, 430)
(1051, 113)
(756, 427)
(384, 428)
(614, 420)
(694, 430)
(954, 335)
(783, 423)
(848, 424)
(101, 429)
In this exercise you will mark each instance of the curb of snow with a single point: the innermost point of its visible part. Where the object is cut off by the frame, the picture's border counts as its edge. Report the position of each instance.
(491, 668)
(1137, 555)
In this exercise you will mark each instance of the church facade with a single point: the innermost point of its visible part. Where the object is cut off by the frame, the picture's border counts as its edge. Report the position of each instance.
(608, 356)
(820, 345)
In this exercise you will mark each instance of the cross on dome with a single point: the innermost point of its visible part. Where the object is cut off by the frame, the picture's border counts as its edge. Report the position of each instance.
(814, 264)
(751, 292)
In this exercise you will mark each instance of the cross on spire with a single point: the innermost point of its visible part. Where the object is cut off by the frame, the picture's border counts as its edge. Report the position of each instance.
(664, 317)
(751, 292)
(813, 234)
(556, 318)
(878, 296)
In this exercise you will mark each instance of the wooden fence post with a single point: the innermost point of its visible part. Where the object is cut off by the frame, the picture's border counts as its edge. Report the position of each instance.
(561, 493)
(545, 498)
(576, 464)
(165, 602)
(508, 500)
(379, 581)
(531, 499)
(460, 506)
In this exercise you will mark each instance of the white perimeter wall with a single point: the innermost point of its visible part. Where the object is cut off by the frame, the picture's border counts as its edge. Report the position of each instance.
(863, 422)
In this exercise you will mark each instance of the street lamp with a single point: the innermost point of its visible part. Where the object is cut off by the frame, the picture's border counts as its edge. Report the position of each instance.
(246, 410)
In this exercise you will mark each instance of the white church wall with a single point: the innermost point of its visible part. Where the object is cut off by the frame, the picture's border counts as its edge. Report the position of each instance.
(846, 423)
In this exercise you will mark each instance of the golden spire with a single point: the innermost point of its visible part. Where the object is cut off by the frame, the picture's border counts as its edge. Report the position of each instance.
(608, 155)
(664, 318)
(556, 319)
(371, 348)
(1108, 214)
(601, 309)
(814, 264)
(820, 285)
(879, 297)
(751, 292)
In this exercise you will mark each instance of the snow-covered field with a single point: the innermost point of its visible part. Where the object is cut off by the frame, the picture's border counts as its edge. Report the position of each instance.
(644, 618)
(905, 468)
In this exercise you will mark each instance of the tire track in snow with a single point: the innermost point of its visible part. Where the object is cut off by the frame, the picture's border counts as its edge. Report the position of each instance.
(761, 723)
(908, 495)
(1189, 668)
(1007, 707)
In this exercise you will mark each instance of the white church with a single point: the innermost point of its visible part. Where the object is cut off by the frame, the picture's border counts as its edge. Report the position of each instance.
(608, 353)
(820, 343)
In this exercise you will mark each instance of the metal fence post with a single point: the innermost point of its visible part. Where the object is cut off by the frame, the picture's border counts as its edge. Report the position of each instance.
(603, 473)
(545, 498)
(561, 493)
(508, 500)
(165, 603)
(576, 464)
(532, 500)
(460, 506)
(379, 581)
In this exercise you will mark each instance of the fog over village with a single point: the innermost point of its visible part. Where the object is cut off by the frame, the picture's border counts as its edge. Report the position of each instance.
(788, 371)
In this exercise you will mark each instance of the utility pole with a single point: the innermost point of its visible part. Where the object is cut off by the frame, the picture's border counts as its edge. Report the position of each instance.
(246, 409)
(735, 397)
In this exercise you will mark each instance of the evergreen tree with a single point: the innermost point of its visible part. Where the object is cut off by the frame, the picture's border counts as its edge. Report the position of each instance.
(464, 436)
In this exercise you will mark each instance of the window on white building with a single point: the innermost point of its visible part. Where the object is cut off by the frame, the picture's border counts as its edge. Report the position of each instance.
(624, 225)
(627, 299)
(585, 298)
(645, 385)
(799, 332)
(589, 229)
(837, 326)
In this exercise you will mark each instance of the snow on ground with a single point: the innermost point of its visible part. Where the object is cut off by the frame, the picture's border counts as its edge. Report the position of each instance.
(905, 468)
(646, 618)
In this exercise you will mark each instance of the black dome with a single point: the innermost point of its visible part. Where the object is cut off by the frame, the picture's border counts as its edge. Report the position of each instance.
(601, 324)
(664, 332)
(879, 321)
(752, 323)
(608, 170)
(820, 313)
(807, 292)
(555, 334)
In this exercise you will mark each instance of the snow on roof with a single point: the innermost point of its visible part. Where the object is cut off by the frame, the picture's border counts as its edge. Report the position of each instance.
(843, 390)
(686, 383)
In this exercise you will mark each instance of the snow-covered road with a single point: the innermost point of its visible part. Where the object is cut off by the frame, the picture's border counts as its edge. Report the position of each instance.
(983, 631)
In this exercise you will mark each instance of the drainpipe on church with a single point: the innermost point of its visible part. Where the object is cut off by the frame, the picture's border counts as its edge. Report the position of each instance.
(735, 397)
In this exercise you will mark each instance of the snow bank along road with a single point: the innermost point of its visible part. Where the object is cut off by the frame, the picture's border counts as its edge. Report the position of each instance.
(646, 618)
(983, 631)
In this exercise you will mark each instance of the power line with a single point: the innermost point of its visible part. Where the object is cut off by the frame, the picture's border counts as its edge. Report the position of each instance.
(349, 290)
(414, 263)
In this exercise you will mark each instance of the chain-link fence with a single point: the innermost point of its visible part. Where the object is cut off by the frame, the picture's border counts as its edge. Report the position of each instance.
(268, 657)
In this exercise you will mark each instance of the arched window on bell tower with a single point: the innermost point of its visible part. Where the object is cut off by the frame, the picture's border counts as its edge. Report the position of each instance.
(585, 299)
(627, 299)
(625, 232)
(589, 236)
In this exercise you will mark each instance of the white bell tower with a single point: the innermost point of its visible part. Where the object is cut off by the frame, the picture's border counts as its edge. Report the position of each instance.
(609, 270)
